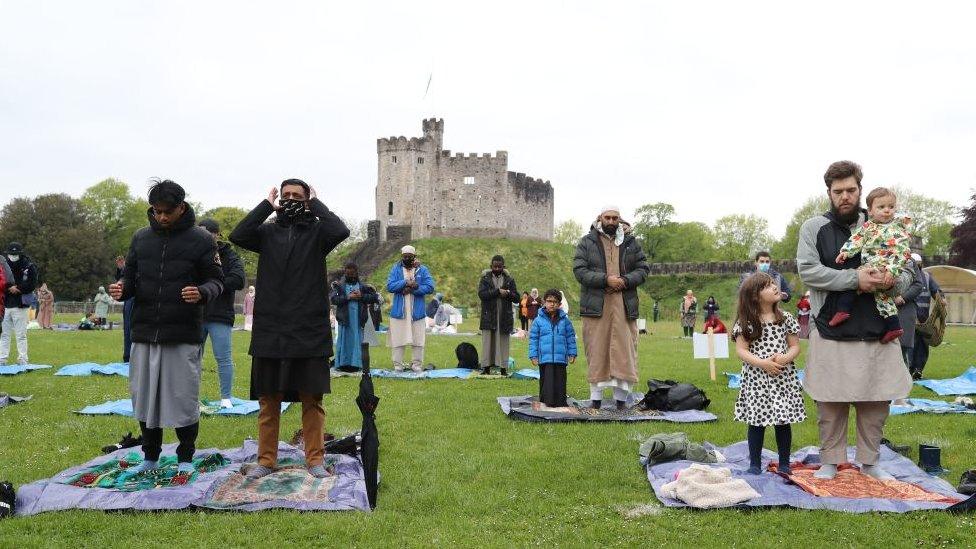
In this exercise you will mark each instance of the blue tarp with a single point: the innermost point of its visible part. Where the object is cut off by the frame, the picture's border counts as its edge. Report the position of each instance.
(14, 369)
(89, 368)
(124, 408)
(526, 373)
(776, 491)
(964, 384)
(459, 373)
(735, 380)
(924, 405)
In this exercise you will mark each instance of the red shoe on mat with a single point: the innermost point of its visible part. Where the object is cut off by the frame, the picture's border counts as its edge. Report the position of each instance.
(839, 318)
(892, 335)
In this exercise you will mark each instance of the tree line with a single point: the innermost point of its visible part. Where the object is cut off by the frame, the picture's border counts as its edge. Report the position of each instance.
(737, 237)
(74, 241)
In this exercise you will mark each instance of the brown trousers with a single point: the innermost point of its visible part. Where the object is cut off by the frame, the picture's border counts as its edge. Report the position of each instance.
(313, 425)
(832, 420)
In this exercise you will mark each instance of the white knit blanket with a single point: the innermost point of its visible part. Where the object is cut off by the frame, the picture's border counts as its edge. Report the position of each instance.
(704, 487)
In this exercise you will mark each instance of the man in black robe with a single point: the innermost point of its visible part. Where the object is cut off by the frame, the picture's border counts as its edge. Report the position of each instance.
(291, 341)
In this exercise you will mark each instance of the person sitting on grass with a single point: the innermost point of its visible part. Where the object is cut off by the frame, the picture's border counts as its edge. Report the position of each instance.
(715, 324)
(552, 345)
(87, 322)
(766, 339)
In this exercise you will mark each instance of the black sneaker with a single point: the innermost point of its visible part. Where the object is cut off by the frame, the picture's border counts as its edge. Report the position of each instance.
(916, 375)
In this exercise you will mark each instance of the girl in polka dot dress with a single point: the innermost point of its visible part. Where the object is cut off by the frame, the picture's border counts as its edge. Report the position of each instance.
(767, 342)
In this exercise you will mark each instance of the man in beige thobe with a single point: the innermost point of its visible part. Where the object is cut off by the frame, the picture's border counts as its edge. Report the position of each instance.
(409, 282)
(610, 265)
(847, 365)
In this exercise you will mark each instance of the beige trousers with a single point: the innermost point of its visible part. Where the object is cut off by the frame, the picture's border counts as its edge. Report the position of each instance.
(832, 420)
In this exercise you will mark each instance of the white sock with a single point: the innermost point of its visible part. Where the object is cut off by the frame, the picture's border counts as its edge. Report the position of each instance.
(877, 472)
(827, 471)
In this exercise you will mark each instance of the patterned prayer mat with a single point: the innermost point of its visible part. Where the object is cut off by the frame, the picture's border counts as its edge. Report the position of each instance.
(290, 482)
(850, 482)
(113, 473)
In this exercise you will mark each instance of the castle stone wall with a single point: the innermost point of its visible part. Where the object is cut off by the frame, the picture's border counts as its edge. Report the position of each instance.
(428, 191)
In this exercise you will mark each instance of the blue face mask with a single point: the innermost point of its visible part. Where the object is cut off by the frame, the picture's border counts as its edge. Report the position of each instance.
(764, 267)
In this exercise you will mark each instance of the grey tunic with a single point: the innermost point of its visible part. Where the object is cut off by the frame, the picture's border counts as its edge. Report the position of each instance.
(495, 345)
(164, 380)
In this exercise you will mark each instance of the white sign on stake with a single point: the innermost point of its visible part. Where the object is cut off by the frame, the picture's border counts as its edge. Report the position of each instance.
(700, 342)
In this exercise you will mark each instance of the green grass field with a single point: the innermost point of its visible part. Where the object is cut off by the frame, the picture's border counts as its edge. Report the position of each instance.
(455, 470)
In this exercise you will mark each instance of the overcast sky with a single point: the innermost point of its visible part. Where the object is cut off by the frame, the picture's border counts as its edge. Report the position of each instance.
(714, 107)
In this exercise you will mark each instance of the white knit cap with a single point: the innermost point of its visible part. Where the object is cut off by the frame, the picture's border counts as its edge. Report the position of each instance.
(916, 258)
(408, 249)
(610, 208)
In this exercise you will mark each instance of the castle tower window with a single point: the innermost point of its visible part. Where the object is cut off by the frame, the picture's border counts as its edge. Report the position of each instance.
(469, 180)
(394, 159)
(389, 208)
(420, 160)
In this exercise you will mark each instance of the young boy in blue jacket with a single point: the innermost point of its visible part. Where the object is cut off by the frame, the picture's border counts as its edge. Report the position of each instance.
(552, 345)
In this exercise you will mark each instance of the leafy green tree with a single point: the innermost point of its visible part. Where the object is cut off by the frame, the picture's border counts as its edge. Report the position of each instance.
(939, 240)
(785, 248)
(963, 250)
(109, 204)
(687, 241)
(926, 212)
(228, 217)
(654, 227)
(568, 232)
(739, 236)
(57, 234)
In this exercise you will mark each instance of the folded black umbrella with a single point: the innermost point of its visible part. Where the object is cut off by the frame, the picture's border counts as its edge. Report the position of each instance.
(370, 443)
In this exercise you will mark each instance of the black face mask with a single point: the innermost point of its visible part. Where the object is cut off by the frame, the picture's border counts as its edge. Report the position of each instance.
(408, 263)
(610, 230)
(291, 208)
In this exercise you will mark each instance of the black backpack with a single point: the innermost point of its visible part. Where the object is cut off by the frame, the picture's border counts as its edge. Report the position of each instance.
(467, 356)
(670, 396)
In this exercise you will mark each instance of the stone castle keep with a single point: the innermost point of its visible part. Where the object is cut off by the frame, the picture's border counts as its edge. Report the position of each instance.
(423, 190)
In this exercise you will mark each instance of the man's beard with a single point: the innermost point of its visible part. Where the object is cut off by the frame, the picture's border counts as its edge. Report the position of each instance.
(610, 230)
(845, 219)
(352, 279)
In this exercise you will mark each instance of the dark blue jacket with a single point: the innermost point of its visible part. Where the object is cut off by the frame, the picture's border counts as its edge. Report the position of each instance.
(552, 342)
(340, 299)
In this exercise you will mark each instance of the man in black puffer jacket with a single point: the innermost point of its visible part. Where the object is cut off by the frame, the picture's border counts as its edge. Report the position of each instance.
(219, 314)
(172, 270)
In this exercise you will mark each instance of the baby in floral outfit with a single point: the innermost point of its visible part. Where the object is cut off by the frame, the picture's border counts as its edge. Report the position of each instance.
(883, 242)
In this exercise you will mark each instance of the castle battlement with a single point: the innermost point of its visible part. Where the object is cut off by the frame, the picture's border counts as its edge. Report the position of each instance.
(499, 155)
(401, 143)
(455, 193)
